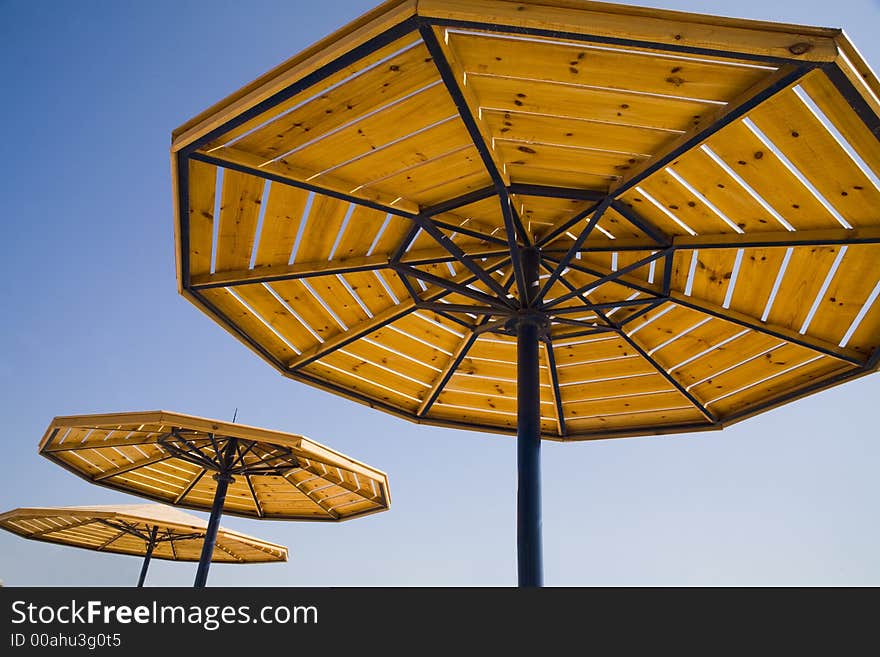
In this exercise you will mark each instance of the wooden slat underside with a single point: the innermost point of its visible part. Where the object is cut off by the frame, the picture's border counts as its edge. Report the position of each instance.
(307, 279)
(120, 454)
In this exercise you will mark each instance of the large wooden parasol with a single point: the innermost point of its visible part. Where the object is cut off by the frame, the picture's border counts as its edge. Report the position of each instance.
(216, 466)
(564, 219)
(147, 530)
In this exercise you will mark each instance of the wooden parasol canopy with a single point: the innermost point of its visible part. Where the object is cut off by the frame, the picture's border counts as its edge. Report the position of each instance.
(216, 466)
(145, 530)
(683, 208)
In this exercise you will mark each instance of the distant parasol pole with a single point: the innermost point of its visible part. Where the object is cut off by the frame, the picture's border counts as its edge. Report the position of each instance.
(223, 479)
(150, 545)
(529, 325)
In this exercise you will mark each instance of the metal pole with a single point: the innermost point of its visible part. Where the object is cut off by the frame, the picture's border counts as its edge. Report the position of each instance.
(529, 326)
(150, 545)
(223, 479)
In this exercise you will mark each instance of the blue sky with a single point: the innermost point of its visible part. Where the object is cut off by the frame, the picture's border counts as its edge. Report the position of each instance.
(93, 323)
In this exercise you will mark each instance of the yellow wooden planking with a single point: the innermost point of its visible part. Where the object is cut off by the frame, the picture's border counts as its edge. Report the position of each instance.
(581, 102)
(559, 178)
(696, 341)
(809, 373)
(338, 299)
(400, 76)
(426, 353)
(285, 74)
(660, 401)
(499, 419)
(721, 190)
(297, 296)
(440, 179)
(712, 273)
(363, 226)
(494, 348)
(432, 329)
(755, 369)
(239, 316)
(623, 387)
(627, 258)
(490, 402)
(239, 210)
(384, 356)
(368, 289)
(379, 391)
(563, 158)
(525, 127)
(605, 67)
(276, 315)
(764, 172)
(606, 369)
(486, 368)
(853, 282)
(755, 280)
(429, 144)
(322, 226)
(572, 351)
(652, 26)
(866, 337)
(647, 421)
(202, 181)
(653, 334)
(814, 151)
(686, 206)
(284, 212)
(393, 234)
(835, 107)
(393, 281)
(376, 131)
(804, 276)
(651, 213)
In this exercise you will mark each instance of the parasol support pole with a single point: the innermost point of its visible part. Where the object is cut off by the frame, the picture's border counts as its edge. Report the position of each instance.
(529, 325)
(223, 479)
(150, 545)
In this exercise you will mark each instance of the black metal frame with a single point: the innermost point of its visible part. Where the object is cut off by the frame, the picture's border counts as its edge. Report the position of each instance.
(226, 457)
(525, 315)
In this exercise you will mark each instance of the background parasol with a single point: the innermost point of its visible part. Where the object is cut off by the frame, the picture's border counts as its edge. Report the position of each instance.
(574, 222)
(215, 466)
(148, 530)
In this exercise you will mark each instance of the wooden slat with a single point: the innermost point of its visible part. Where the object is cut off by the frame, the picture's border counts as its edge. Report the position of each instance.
(804, 276)
(643, 208)
(756, 369)
(664, 328)
(754, 283)
(619, 367)
(785, 383)
(590, 350)
(239, 315)
(698, 340)
(239, 211)
(307, 307)
(647, 422)
(490, 402)
(793, 128)
(634, 385)
(338, 299)
(712, 274)
(687, 207)
(391, 80)
(841, 114)
(632, 404)
(284, 212)
(762, 170)
(392, 359)
(363, 226)
(726, 194)
(202, 182)
(369, 290)
(858, 273)
(510, 94)
(407, 153)
(475, 416)
(729, 355)
(378, 130)
(274, 313)
(344, 378)
(653, 26)
(524, 127)
(628, 70)
(322, 227)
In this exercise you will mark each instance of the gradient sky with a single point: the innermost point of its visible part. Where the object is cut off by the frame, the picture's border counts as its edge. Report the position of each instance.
(94, 324)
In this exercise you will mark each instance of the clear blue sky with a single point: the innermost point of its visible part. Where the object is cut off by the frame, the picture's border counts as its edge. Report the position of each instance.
(93, 323)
